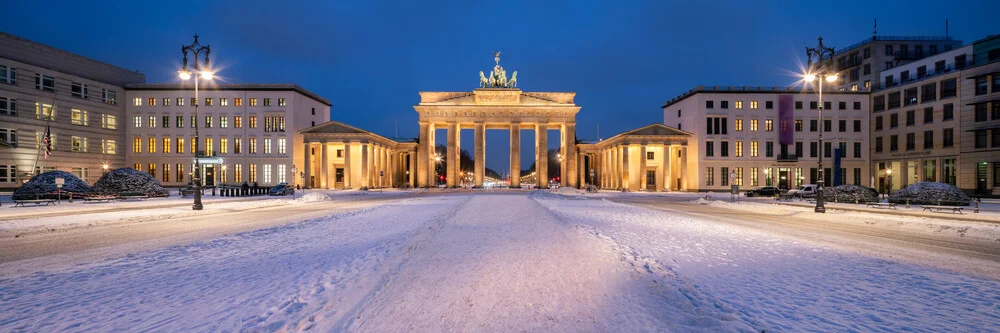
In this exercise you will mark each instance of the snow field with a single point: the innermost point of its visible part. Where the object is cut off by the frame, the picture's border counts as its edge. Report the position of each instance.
(781, 285)
(266, 280)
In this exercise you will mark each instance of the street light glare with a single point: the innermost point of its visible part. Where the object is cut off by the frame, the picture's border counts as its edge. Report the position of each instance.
(206, 75)
(809, 77)
(185, 75)
(831, 78)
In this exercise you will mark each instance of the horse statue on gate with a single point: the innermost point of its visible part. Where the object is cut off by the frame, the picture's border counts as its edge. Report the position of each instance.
(483, 82)
(513, 80)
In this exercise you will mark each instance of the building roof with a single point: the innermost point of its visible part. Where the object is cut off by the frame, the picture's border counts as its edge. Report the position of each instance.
(751, 90)
(897, 38)
(238, 87)
(44, 56)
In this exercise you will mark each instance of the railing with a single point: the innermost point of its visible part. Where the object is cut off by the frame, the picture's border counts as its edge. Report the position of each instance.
(876, 86)
(891, 38)
(787, 158)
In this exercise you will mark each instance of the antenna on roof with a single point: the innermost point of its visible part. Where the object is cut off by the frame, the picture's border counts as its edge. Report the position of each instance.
(598, 131)
(875, 29)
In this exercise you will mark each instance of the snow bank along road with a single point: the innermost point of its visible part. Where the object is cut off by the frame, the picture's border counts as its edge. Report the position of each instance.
(508, 262)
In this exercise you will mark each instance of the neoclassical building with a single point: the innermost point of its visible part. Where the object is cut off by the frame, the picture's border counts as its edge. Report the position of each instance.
(648, 158)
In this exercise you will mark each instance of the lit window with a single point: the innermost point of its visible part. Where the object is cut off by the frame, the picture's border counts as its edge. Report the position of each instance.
(136, 145)
(152, 145)
(44, 112)
(281, 145)
(208, 121)
(253, 173)
(267, 102)
(753, 148)
(223, 102)
(753, 104)
(152, 101)
(137, 101)
(267, 145)
(253, 145)
(208, 102)
(237, 121)
(253, 121)
(739, 148)
(281, 173)
(237, 145)
(109, 121)
(738, 104)
(223, 146)
(209, 147)
(281, 102)
(267, 173)
(753, 125)
(152, 121)
(180, 145)
(237, 102)
(180, 101)
(109, 97)
(224, 121)
(739, 125)
(109, 146)
(78, 117)
(166, 145)
(769, 125)
(253, 102)
(166, 101)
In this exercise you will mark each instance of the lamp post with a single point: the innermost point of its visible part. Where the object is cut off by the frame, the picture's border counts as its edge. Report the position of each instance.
(196, 49)
(820, 52)
(294, 172)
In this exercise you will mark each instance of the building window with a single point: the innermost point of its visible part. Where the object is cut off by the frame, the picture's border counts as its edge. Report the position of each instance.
(842, 105)
(813, 105)
(208, 101)
(166, 173)
(224, 121)
(798, 125)
(911, 117)
(166, 101)
(724, 176)
(267, 102)
(813, 149)
(152, 121)
(209, 147)
(253, 102)
(948, 113)
(237, 145)
(980, 112)
(948, 137)
(878, 103)
(996, 138)
(910, 96)
(223, 102)
(45, 112)
(769, 105)
(842, 125)
(8, 75)
(166, 145)
(738, 148)
(894, 100)
(709, 104)
(799, 149)
(894, 120)
(709, 149)
(8, 106)
(180, 172)
(739, 176)
(894, 143)
(724, 148)
(928, 139)
(281, 145)
(208, 121)
(843, 149)
(878, 144)
(738, 125)
(45, 83)
(710, 176)
(194, 121)
(857, 149)
(768, 125)
(769, 149)
(109, 121)
(753, 105)
(8, 137)
(813, 125)
(152, 145)
(137, 121)
(78, 117)
(180, 145)
(223, 145)
(136, 145)
(237, 102)
(981, 139)
(267, 145)
(108, 146)
(281, 102)
(79, 90)
(981, 85)
(827, 149)
(736, 104)
(253, 145)
(253, 121)
(180, 101)
(109, 97)
(857, 125)
(267, 173)
(753, 149)
(238, 173)
(253, 173)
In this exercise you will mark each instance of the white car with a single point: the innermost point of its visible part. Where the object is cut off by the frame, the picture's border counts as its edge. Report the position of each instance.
(804, 191)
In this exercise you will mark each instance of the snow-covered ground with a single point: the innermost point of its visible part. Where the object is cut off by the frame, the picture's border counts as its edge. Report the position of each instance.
(499, 262)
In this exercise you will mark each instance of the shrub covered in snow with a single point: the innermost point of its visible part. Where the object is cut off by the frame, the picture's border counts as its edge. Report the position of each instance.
(931, 193)
(850, 193)
(44, 186)
(129, 180)
(313, 197)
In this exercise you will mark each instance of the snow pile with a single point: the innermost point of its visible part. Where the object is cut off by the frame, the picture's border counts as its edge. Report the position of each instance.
(44, 186)
(850, 194)
(313, 197)
(931, 193)
(129, 180)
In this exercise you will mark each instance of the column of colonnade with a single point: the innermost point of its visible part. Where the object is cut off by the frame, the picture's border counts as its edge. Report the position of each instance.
(515, 155)
(479, 154)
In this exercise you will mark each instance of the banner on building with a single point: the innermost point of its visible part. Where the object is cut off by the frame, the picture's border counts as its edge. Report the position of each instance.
(836, 168)
(786, 120)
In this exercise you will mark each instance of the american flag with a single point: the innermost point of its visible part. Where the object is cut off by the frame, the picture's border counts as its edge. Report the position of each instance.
(47, 142)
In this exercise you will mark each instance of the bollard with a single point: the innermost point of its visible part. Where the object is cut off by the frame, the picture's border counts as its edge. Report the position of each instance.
(977, 206)
(907, 203)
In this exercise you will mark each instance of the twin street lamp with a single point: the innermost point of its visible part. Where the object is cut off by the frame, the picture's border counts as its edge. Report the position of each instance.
(196, 49)
(822, 74)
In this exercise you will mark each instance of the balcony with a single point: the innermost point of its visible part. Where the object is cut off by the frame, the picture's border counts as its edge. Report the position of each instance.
(787, 158)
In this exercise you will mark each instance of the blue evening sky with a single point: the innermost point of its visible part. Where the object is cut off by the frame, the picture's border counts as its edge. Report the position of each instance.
(370, 58)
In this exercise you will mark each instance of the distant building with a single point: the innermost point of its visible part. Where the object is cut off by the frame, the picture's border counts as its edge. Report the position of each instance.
(979, 168)
(916, 121)
(736, 137)
(860, 65)
(79, 99)
(247, 132)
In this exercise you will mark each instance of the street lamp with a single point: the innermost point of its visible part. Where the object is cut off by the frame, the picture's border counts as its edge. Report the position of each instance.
(104, 169)
(820, 52)
(294, 172)
(196, 49)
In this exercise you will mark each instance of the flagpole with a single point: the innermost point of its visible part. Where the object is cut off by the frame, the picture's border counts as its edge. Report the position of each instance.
(41, 140)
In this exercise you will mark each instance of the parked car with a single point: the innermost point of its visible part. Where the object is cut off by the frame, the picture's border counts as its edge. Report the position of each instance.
(767, 191)
(804, 191)
(282, 189)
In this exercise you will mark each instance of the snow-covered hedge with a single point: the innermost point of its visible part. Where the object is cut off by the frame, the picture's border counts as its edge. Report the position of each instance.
(931, 193)
(129, 180)
(44, 186)
(850, 193)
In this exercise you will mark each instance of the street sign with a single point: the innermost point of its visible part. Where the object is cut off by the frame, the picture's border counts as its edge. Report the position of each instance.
(210, 160)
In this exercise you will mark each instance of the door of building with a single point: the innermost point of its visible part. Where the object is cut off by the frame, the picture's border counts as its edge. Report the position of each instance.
(339, 177)
(981, 178)
(651, 179)
(210, 175)
(783, 178)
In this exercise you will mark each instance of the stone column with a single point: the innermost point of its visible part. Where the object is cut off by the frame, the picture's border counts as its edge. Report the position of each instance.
(412, 169)
(453, 150)
(347, 165)
(324, 181)
(668, 161)
(615, 176)
(564, 153)
(425, 162)
(364, 166)
(542, 155)
(684, 166)
(306, 164)
(642, 168)
(627, 177)
(582, 170)
(573, 169)
(480, 154)
(515, 155)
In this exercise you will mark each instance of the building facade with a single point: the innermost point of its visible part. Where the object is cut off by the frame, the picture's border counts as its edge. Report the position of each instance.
(736, 137)
(916, 121)
(79, 100)
(979, 135)
(860, 65)
(247, 132)
(341, 156)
